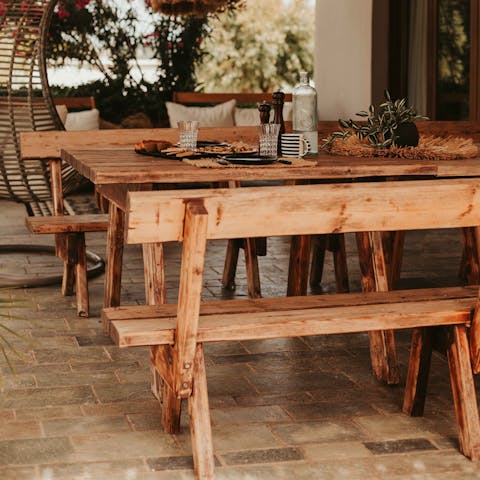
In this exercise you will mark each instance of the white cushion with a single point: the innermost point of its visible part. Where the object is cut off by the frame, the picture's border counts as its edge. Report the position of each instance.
(218, 116)
(246, 117)
(85, 120)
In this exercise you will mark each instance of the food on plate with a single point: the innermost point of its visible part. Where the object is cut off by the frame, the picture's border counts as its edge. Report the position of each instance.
(242, 147)
(153, 146)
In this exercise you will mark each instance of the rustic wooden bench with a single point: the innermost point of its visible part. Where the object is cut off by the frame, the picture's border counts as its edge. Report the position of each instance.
(176, 333)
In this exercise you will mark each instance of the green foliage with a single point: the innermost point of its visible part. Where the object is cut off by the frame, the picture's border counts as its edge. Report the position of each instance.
(380, 127)
(109, 37)
(260, 46)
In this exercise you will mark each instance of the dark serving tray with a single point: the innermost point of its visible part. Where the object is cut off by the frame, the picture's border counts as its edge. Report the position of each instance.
(254, 159)
(174, 157)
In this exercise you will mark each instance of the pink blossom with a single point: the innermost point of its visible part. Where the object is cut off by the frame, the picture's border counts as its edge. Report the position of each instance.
(3, 9)
(180, 44)
(62, 13)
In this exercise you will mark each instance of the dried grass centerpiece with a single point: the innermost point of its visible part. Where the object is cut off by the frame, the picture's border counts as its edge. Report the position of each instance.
(428, 148)
(390, 131)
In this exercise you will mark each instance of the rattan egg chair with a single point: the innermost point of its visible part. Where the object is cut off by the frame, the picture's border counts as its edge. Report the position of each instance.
(26, 104)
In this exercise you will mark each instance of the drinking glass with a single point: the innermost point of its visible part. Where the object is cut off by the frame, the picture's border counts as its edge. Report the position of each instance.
(188, 132)
(268, 139)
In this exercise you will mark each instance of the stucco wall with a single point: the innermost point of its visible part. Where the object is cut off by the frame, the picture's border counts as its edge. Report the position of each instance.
(343, 56)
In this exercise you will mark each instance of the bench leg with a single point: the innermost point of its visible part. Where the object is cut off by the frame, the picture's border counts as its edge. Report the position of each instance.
(200, 427)
(375, 278)
(231, 261)
(463, 389)
(81, 284)
(68, 254)
(319, 245)
(251, 266)
(337, 246)
(300, 247)
(470, 268)
(113, 269)
(162, 381)
(418, 370)
(171, 409)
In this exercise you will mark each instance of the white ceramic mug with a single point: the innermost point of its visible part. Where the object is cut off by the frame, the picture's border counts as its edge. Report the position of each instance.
(294, 145)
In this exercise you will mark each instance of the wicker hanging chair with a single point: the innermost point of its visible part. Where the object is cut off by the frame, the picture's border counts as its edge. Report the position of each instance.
(26, 104)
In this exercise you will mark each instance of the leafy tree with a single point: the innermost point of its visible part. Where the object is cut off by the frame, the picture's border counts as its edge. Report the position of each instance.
(259, 46)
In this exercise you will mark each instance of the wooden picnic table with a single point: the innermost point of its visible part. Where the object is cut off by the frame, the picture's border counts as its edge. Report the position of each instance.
(115, 171)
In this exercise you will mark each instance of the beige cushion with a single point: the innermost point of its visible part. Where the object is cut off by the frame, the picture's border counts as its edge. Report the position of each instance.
(62, 112)
(218, 116)
(245, 117)
(86, 120)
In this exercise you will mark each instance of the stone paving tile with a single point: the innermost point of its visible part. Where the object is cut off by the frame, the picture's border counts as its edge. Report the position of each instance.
(237, 437)
(113, 445)
(20, 429)
(141, 422)
(400, 446)
(283, 383)
(275, 345)
(43, 397)
(173, 463)
(340, 450)
(80, 355)
(75, 378)
(276, 399)
(39, 413)
(33, 451)
(316, 432)
(18, 473)
(240, 415)
(119, 469)
(392, 427)
(82, 425)
(257, 472)
(123, 392)
(316, 411)
(273, 455)
(134, 406)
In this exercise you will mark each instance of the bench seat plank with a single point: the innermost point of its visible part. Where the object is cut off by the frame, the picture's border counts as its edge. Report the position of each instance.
(68, 223)
(298, 322)
(139, 312)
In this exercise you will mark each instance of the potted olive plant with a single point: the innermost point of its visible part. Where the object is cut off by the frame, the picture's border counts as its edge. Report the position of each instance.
(391, 125)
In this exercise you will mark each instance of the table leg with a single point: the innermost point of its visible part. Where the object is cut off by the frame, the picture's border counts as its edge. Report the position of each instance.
(298, 267)
(375, 278)
(114, 256)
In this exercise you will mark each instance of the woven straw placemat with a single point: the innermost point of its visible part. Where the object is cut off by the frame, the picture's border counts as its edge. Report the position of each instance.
(211, 163)
(429, 148)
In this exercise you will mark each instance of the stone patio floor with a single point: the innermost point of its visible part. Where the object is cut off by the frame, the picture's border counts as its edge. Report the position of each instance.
(302, 408)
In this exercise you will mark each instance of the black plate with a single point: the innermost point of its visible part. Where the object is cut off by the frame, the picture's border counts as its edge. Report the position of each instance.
(173, 156)
(249, 160)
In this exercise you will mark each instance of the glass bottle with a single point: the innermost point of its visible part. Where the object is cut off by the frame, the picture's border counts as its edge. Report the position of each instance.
(305, 116)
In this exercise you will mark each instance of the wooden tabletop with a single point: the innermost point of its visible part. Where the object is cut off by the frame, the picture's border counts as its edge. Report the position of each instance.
(123, 166)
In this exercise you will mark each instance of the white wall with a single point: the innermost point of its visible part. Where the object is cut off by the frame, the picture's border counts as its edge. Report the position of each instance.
(343, 57)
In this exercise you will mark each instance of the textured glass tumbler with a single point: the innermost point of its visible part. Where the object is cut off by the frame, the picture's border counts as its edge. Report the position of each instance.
(188, 132)
(268, 139)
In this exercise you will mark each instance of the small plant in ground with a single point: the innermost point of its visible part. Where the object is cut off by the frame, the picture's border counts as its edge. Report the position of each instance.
(7, 334)
(383, 127)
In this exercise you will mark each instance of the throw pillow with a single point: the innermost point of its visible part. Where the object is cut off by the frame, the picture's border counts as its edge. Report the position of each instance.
(218, 116)
(85, 120)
